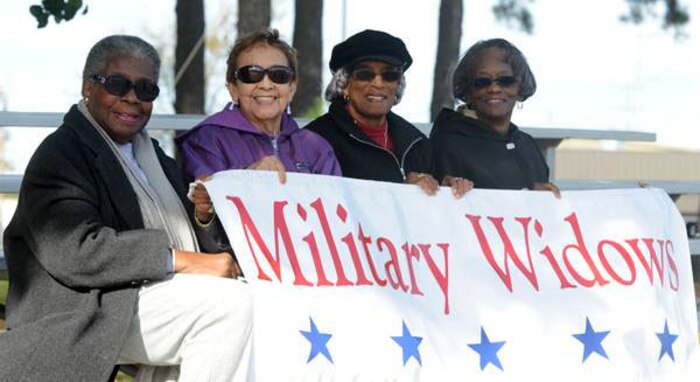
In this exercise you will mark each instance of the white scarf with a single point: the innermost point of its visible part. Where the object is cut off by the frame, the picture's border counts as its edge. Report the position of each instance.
(161, 208)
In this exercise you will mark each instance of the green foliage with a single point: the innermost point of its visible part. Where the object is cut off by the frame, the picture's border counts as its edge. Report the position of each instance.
(60, 10)
(121, 377)
(316, 110)
(514, 11)
(517, 13)
(675, 16)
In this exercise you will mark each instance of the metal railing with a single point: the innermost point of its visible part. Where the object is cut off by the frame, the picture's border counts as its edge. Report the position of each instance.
(547, 138)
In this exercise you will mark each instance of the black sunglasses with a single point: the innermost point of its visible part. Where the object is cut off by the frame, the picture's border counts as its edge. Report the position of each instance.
(367, 75)
(502, 81)
(252, 74)
(117, 85)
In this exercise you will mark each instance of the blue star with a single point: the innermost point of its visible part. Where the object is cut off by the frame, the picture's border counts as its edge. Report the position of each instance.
(592, 341)
(318, 342)
(487, 351)
(409, 344)
(667, 340)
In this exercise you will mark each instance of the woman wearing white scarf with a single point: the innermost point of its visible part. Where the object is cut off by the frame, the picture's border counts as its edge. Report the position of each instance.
(104, 264)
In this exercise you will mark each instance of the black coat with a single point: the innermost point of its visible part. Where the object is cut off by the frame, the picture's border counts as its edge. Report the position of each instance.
(77, 253)
(362, 158)
(469, 148)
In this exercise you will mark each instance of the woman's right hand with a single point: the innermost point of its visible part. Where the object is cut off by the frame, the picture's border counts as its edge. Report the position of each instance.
(270, 163)
(538, 186)
(215, 264)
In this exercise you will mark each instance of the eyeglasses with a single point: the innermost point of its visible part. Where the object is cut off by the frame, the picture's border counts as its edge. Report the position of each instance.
(117, 85)
(485, 82)
(252, 74)
(367, 75)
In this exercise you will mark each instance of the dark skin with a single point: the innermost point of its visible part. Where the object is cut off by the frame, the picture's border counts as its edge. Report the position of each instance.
(122, 117)
(494, 104)
(370, 101)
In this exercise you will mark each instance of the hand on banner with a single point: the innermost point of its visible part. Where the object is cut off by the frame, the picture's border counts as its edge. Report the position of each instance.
(425, 181)
(215, 264)
(270, 163)
(537, 186)
(203, 207)
(460, 186)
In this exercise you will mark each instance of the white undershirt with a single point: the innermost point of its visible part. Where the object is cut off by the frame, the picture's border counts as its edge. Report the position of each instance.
(127, 150)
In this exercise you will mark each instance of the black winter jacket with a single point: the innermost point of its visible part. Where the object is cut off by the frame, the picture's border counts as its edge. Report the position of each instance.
(469, 148)
(361, 158)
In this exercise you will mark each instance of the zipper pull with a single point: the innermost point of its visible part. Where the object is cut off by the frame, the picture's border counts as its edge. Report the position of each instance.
(403, 173)
(275, 149)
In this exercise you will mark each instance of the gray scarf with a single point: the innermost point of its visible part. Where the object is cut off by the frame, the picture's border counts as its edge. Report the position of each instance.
(161, 208)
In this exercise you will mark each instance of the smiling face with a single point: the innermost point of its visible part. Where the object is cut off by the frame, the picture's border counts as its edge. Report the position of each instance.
(370, 101)
(262, 103)
(493, 104)
(121, 117)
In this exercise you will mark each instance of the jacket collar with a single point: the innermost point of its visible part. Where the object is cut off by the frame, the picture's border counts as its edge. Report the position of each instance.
(402, 132)
(232, 118)
(454, 122)
(107, 167)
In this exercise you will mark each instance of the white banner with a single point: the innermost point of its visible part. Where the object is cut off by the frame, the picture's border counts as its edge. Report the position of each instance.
(370, 281)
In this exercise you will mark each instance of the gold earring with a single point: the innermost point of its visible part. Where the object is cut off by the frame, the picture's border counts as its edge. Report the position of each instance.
(86, 100)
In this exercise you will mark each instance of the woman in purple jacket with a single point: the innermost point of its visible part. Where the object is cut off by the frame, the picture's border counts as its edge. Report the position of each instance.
(255, 131)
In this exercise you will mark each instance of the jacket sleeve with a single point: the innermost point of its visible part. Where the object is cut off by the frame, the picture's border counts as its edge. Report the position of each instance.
(201, 154)
(213, 238)
(447, 160)
(72, 230)
(326, 162)
(421, 159)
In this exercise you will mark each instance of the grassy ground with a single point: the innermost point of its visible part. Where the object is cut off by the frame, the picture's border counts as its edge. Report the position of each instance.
(3, 291)
(3, 299)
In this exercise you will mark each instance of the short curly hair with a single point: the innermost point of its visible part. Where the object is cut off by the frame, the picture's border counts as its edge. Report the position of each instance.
(339, 81)
(271, 37)
(464, 72)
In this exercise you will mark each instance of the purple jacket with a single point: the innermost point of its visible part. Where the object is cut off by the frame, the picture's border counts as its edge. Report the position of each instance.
(227, 140)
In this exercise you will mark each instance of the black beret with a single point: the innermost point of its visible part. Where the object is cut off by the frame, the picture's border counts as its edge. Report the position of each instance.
(370, 45)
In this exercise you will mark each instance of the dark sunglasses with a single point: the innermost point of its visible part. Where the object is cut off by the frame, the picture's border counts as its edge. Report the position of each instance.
(502, 81)
(367, 75)
(252, 74)
(117, 85)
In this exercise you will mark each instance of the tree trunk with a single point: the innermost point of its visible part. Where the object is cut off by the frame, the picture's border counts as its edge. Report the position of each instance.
(450, 34)
(189, 57)
(253, 15)
(308, 36)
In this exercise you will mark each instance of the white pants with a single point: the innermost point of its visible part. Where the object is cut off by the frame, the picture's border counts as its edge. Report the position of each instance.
(202, 323)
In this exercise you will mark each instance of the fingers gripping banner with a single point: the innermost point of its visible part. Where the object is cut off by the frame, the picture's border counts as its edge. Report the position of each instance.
(357, 280)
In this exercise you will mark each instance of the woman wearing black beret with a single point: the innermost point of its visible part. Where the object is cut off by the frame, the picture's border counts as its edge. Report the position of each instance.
(369, 140)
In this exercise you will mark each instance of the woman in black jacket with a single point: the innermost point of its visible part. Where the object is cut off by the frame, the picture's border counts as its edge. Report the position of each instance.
(479, 141)
(369, 140)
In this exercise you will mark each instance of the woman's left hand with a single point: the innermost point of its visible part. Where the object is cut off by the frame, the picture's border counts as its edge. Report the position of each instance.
(425, 181)
(271, 163)
(203, 206)
(460, 186)
(537, 186)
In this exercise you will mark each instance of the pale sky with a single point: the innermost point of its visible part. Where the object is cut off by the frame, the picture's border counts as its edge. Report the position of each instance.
(593, 71)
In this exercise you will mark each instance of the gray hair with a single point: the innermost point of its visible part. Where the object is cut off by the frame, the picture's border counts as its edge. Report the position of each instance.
(464, 73)
(334, 90)
(106, 49)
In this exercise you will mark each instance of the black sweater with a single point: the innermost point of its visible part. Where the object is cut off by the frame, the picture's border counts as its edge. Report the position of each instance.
(361, 158)
(469, 148)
